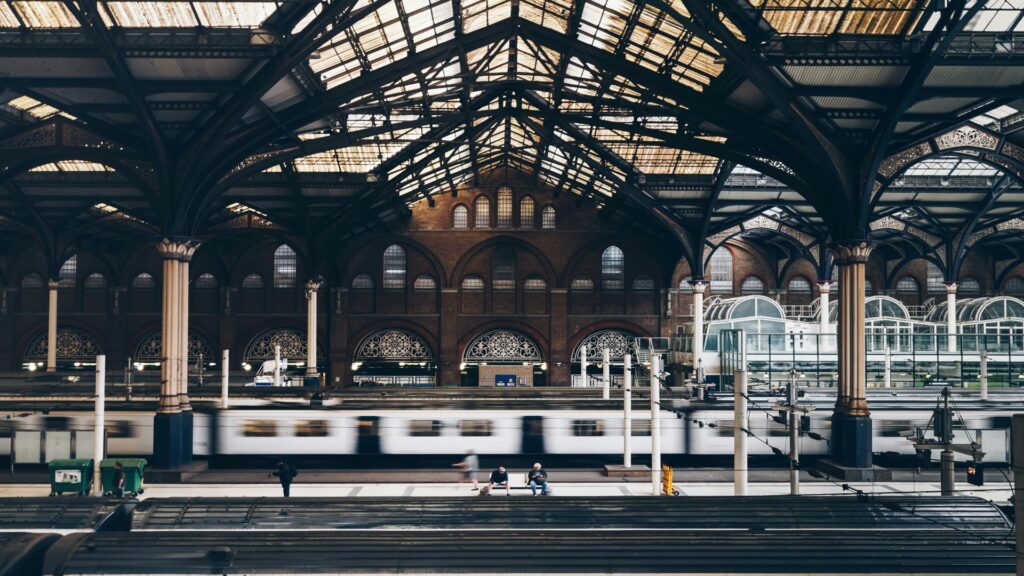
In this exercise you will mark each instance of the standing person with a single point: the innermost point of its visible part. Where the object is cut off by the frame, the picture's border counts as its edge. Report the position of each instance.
(118, 480)
(469, 466)
(498, 479)
(538, 476)
(285, 473)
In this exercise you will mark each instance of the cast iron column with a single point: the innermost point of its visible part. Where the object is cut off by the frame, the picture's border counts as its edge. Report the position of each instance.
(51, 327)
(851, 422)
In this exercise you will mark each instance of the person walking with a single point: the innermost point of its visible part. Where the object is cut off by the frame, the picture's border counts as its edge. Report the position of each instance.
(469, 465)
(538, 476)
(118, 480)
(285, 472)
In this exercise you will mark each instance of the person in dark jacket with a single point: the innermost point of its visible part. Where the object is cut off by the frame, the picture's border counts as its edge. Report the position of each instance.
(538, 476)
(285, 473)
(498, 479)
(118, 480)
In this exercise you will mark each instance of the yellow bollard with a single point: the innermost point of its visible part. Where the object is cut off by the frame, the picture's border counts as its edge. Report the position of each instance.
(666, 481)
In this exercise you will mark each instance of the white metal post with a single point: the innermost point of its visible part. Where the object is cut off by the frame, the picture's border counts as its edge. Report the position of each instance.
(277, 365)
(823, 296)
(627, 411)
(655, 424)
(951, 315)
(698, 328)
(101, 397)
(888, 364)
(224, 379)
(606, 374)
(983, 373)
(739, 437)
(51, 327)
(583, 365)
(794, 436)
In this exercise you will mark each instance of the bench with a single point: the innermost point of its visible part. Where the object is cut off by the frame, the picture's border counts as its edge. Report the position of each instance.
(516, 481)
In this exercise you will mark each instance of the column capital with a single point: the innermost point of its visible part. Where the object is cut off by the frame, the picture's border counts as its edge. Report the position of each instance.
(178, 248)
(824, 286)
(53, 284)
(312, 287)
(699, 285)
(852, 252)
(951, 287)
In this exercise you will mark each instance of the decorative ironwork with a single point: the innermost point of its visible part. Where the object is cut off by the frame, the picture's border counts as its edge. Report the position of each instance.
(45, 135)
(761, 221)
(618, 342)
(151, 349)
(899, 160)
(929, 238)
(888, 223)
(291, 341)
(805, 239)
(72, 345)
(393, 345)
(502, 346)
(967, 136)
(1014, 151)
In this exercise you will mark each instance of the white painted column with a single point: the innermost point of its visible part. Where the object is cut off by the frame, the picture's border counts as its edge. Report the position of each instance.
(224, 367)
(606, 374)
(311, 289)
(168, 383)
(951, 315)
(100, 425)
(627, 411)
(51, 327)
(888, 364)
(655, 424)
(583, 365)
(823, 296)
(698, 287)
(739, 437)
(277, 365)
(983, 373)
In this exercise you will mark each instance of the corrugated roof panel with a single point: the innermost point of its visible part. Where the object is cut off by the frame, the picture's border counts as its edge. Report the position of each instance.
(846, 75)
(36, 14)
(186, 69)
(43, 67)
(985, 76)
(843, 102)
(941, 105)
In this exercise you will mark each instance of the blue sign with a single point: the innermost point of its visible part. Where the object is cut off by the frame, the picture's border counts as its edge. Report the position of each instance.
(505, 380)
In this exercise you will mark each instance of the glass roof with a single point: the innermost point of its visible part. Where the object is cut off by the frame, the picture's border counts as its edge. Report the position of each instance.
(35, 108)
(950, 166)
(132, 14)
(998, 16)
(825, 17)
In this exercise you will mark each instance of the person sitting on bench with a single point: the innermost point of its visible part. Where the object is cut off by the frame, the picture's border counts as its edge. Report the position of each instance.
(538, 477)
(498, 479)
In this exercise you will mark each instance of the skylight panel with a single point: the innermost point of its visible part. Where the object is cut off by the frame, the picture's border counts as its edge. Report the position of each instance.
(7, 17)
(431, 24)
(824, 17)
(603, 22)
(553, 14)
(998, 16)
(71, 166)
(478, 14)
(149, 15)
(234, 14)
(33, 107)
(38, 14)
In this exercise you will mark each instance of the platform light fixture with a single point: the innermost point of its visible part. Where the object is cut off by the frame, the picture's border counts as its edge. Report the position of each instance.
(357, 365)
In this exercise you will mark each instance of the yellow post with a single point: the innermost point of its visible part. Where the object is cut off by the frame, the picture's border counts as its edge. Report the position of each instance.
(666, 480)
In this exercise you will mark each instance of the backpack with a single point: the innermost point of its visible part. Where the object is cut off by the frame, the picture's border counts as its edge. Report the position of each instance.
(294, 470)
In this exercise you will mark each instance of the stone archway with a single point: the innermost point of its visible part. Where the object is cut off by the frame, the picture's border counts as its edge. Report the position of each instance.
(396, 357)
(504, 358)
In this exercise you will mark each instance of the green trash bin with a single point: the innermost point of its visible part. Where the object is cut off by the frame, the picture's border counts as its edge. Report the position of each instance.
(70, 475)
(133, 470)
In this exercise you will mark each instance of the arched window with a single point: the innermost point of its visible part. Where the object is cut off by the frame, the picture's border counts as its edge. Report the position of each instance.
(613, 269)
(460, 217)
(362, 282)
(752, 285)
(425, 282)
(32, 280)
(482, 212)
(503, 269)
(969, 287)
(643, 284)
(205, 281)
(68, 272)
(285, 267)
(1014, 285)
(936, 281)
(252, 281)
(867, 287)
(472, 283)
(526, 207)
(721, 271)
(535, 284)
(394, 268)
(144, 280)
(547, 218)
(799, 285)
(95, 280)
(907, 286)
(582, 283)
(504, 207)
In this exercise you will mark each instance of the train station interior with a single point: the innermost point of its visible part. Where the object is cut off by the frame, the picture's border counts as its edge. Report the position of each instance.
(708, 251)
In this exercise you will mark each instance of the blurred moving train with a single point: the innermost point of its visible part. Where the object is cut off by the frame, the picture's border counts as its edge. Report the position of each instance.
(323, 432)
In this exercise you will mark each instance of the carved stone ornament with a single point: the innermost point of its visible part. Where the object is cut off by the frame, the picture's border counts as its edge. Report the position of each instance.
(852, 253)
(151, 349)
(291, 341)
(967, 137)
(502, 346)
(951, 287)
(393, 345)
(312, 287)
(699, 286)
(897, 161)
(177, 249)
(618, 342)
(72, 345)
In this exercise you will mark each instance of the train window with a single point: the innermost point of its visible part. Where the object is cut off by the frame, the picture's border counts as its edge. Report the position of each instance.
(259, 428)
(367, 426)
(641, 427)
(311, 428)
(56, 423)
(475, 427)
(120, 429)
(424, 428)
(588, 427)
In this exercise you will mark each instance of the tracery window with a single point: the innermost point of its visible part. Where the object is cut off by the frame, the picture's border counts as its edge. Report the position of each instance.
(68, 272)
(526, 208)
(613, 269)
(460, 217)
(144, 280)
(285, 267)
(752, 285)
(502, 346)
(721, 271)
(392, 344)
(547, 218)
(482, 212)
(503, 269)
(618, 342)
(394, 268)
(504, 207)
(867, 287)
